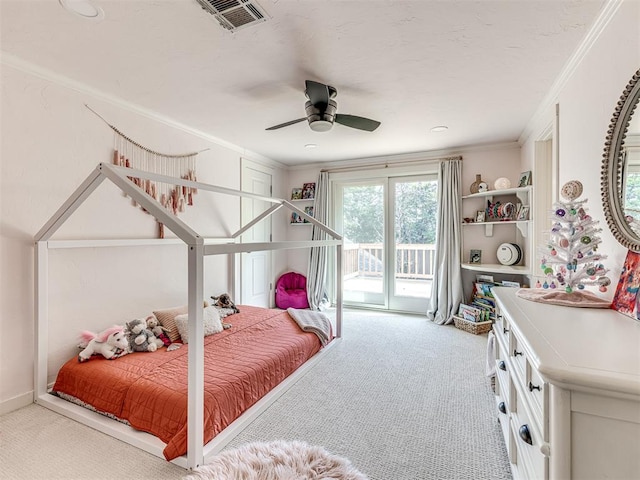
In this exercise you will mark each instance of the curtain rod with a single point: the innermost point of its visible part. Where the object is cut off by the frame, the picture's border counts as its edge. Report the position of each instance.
(372, 166)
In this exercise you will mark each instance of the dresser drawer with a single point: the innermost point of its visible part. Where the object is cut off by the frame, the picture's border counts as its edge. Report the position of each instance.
(529, 443)
(517, 355)
(503, 380)
(501, 326)
(536, 392)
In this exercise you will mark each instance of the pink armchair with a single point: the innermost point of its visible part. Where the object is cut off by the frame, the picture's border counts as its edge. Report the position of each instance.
(291, 291)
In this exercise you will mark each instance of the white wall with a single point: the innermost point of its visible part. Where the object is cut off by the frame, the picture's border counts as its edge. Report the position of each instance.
(50, 143)
(587, 101)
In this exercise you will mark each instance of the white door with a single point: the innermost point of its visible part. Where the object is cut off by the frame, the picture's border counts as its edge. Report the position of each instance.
(256, 266)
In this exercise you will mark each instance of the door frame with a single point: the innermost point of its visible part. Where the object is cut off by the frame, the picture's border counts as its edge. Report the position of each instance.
(384, 174)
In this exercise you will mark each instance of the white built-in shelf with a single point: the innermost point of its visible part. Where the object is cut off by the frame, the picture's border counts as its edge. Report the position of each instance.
(523, 226)
(302, 200)
(518, 192)
(496, 268)
(298, 224)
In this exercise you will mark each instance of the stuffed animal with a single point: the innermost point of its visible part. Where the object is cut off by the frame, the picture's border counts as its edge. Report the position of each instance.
(224, 301)
(141, 339)
(158, 330)
(111, 343)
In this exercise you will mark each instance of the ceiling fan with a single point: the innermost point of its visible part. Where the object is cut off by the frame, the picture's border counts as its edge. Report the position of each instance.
(321, 111)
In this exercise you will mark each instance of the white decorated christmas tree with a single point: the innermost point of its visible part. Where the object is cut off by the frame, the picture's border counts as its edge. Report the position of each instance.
(570, 261)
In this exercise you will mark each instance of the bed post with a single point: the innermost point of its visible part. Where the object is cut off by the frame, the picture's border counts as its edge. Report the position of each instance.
(41, 343)
(339, 291)
(195, 391)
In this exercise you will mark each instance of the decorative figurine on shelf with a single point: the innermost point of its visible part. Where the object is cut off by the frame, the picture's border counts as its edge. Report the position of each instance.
(475, 186)
(570, 261)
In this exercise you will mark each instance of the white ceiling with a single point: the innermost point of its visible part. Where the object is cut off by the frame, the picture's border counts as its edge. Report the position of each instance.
(479, 67)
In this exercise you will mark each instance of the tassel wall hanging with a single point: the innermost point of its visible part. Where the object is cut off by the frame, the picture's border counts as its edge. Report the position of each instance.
(130, 154)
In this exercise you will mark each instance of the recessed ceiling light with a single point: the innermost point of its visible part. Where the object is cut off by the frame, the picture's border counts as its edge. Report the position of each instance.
(83, 8)
(440, 128)
(311, 145)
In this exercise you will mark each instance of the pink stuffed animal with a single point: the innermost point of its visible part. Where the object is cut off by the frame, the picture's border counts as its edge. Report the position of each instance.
(111, 343)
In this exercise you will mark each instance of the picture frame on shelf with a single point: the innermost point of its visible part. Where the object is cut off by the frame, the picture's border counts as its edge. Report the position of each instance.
(296, 218)
(523, 213)
(480, 216)
(475, 256)
(308, 191)
(308, 211)
(525, 179)
(296, 194)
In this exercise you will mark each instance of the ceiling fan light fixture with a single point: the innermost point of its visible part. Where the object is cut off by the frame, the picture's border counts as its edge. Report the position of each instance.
(83, 8)
(320, 125)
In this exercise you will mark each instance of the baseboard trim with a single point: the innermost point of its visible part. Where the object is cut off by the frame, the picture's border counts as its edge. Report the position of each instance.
(15, 403)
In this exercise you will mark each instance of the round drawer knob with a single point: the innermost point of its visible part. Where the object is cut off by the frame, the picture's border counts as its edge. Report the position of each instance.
(525, 434)
(533, 387)
(505, 330)
(516, 353)
(502, 365)
(502, 407)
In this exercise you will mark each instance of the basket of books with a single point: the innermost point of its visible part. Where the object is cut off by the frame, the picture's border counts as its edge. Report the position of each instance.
(477, 328)
(475, 318)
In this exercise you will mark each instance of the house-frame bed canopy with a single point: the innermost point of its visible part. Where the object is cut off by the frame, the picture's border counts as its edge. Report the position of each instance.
(197, 248)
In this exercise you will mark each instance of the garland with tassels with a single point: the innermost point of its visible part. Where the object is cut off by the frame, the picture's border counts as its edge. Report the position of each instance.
(130, 154)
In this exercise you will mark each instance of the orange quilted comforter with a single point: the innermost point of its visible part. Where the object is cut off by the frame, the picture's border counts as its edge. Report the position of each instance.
(149, 390)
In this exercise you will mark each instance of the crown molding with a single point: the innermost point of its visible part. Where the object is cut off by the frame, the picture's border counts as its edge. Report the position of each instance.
(66, 82)
(413, 157)
(540, 116)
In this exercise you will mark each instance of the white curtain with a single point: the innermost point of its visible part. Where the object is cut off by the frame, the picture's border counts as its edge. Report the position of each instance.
(317, 268)
(446, 290)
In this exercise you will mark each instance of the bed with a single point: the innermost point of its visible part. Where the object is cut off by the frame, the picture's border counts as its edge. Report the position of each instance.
(149, 390)
(206, 391)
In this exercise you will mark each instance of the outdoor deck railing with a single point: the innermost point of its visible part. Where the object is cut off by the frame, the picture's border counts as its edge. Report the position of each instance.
(366, 259)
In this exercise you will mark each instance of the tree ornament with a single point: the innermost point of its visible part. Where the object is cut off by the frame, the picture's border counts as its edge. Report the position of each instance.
(571, 190)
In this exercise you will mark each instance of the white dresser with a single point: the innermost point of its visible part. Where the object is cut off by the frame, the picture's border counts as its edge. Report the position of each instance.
(567, 390)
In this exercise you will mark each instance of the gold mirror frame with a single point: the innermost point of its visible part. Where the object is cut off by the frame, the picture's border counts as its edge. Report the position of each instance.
(611, 180)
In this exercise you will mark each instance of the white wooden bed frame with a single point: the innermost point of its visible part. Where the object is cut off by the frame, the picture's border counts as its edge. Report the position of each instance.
(197, 453)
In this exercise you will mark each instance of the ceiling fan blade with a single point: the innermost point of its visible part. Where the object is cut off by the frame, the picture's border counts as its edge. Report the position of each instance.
(360, 123)
(275, 127)
(318, 93)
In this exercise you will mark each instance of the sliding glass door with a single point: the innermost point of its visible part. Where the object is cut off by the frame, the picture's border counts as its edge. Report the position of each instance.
(362, 221)
(414, 209)
(389, 230)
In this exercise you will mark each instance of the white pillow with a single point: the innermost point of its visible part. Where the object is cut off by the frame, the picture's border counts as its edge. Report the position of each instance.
(210, 318)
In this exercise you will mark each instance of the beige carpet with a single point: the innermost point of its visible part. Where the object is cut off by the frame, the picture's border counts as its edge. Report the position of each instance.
(36, 443)
(278, 460)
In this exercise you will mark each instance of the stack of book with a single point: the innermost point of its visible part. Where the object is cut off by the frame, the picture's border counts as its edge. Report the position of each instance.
(482, 306)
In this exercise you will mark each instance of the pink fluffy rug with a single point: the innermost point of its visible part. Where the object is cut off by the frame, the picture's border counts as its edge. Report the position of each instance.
(277, 460)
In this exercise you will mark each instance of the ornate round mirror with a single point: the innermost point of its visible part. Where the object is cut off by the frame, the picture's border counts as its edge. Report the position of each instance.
(620, 180)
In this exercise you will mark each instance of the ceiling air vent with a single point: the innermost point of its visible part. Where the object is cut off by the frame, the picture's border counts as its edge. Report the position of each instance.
(234, 14)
